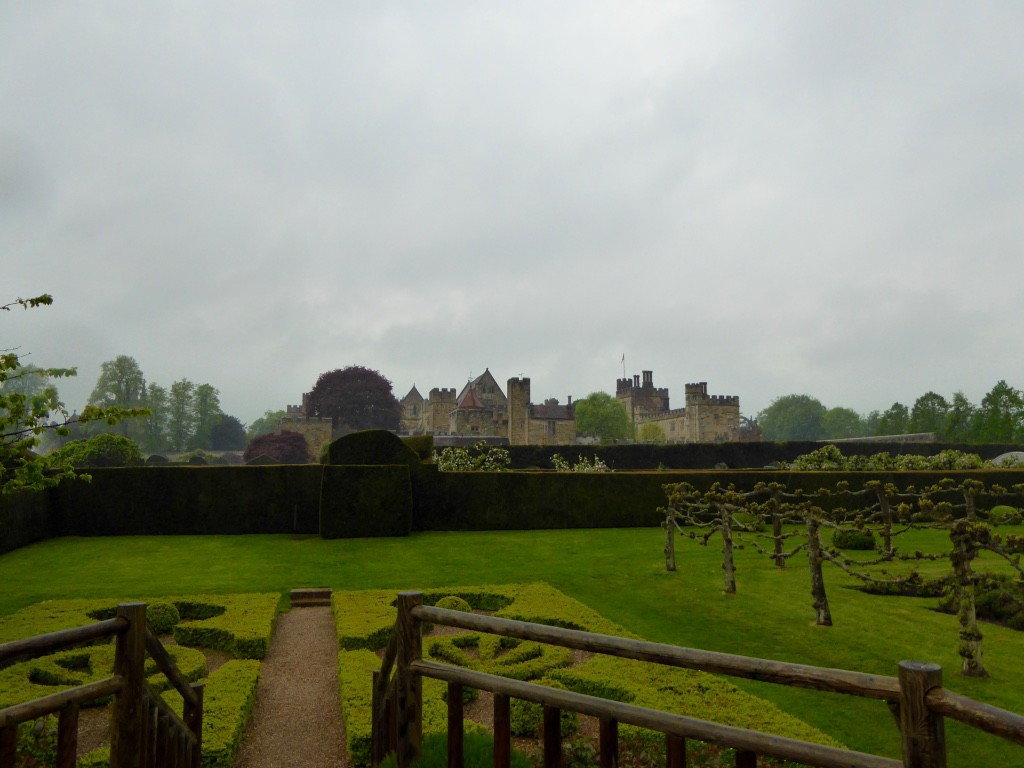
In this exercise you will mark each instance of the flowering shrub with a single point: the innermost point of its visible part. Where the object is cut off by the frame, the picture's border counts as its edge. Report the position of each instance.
(478, 458)
(583, 465)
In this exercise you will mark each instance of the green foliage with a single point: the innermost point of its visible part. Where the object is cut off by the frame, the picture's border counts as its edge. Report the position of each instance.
(527, 717)
(283, 447)
(103, 450)
(792, 417)
(27, 413)
(650, 432)
(60, 671)
(162, 617)
(601, 415)
(842, 422)
(894, 421)
(239, 624)
(227, 705)
(453, 603)
(265, 424)
(421, 445)
(479, 458)
(849, 538)
(582, 465)
(477, 752)
(831, 458)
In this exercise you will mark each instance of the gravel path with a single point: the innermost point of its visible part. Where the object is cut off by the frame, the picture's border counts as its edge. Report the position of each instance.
(297, 717)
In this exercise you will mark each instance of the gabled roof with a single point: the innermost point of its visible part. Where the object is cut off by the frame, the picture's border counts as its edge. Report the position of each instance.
(485, 378)
(414, 394)
(468, 399)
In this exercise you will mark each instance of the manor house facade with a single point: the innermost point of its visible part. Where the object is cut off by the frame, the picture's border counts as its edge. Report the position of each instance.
(481, 410)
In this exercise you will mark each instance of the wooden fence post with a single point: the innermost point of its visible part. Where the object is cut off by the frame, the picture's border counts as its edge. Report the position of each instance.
(410, 689)
(552, 737)
(456, 726)
(129, 711)
(193, 718)
(8, 746)
(67, 737)
(609, 735)
(377, 722)
(924, 737)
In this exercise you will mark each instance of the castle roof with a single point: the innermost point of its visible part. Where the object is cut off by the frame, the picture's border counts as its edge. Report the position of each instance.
(414, 394)
(552, 411)
(469, 399)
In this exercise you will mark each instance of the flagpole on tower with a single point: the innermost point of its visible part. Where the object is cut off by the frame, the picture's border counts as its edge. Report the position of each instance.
(623, 365)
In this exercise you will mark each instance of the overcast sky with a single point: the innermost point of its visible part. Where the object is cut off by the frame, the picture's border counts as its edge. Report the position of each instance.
(789, 197)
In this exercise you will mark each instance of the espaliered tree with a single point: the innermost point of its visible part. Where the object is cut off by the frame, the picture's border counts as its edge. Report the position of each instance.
(699, 515)
(354, 398)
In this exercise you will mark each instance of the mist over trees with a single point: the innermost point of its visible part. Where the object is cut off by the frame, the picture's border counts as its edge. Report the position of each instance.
(999, 418)
(182, 417)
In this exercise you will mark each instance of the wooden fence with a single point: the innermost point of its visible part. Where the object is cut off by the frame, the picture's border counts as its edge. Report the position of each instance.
(145, 732)
(916, 698)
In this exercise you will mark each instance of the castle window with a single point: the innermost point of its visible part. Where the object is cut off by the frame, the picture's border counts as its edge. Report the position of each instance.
(551, 427)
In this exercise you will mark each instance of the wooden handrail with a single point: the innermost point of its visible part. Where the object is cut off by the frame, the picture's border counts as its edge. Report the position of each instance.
(164, 663)
(985, 717)
(30, 710)
(797, 675)
(40, 645)
(779, 747)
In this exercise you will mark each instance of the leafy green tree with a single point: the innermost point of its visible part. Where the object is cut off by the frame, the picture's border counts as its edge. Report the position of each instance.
(355, 398)
(181, 414)
(959, 422)
(265, 424)
(1000, 417)
(895, 420)
(121, 384)
(929, 414)
(24, 418)
(602, 416)
(29, 381)
(650, 432)
(793, 417)
(841, 422)
(206, 407)
(227, 434)
(154, 433)
(104, 450)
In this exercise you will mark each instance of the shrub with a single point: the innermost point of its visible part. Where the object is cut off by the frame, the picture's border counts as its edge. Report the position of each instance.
(477, 752)
(850, 538)
(104, 450)
(1003, 514)
(479, 458)
(284, 447)
(527, 717)
(454, 603)
(584, 464)
(162, 617)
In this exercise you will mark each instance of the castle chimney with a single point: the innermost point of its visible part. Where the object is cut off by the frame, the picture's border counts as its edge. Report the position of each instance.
(636, 379)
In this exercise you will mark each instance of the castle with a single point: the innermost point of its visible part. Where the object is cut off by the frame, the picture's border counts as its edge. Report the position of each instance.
(481, 410)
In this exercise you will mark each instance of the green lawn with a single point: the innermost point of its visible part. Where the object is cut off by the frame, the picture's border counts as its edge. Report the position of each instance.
(620, 573)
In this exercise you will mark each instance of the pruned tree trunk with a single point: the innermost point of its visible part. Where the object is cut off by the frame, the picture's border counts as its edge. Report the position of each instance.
(886, 505)
(823, 616)
(780, 559)
(964, 551)
(670, 545)
(728, 563)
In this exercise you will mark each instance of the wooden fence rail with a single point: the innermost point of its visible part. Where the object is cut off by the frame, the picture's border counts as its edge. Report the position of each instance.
(145, 731)
(916, 697)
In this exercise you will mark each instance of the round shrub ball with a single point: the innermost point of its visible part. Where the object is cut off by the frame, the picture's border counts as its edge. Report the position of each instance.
(454, 603)
(162, 617)
(853, 539)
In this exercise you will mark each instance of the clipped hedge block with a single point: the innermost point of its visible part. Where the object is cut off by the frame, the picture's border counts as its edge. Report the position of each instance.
(370, 447)
(361, 501)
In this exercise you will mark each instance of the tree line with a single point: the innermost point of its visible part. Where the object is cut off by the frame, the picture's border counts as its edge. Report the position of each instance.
(998, 418)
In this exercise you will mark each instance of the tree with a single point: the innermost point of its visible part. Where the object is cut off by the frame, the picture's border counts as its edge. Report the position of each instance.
(121, 384)
(30, 381)
(181, 415)
(792, 417)
(929, 414)
(895, 420)
(650, 432)
(265, 423)
(25, 417)
(227, 433)
(103, 450)
(959, 423)
(601, 415)
(838, 423)
(355, 398)
(283, 447)
(206, 408)
(1000, 417)
(154, 429)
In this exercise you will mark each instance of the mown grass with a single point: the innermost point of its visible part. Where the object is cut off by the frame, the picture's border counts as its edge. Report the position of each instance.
(619, 572)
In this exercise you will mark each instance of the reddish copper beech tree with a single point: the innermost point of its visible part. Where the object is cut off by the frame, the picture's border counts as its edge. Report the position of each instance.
(354, 398)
